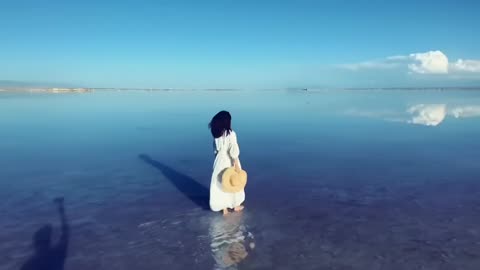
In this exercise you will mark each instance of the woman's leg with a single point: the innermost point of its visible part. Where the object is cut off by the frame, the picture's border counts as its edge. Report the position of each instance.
(239, 198)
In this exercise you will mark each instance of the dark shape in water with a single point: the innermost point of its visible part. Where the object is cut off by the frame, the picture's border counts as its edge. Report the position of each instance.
(48, 257)
(196, 192)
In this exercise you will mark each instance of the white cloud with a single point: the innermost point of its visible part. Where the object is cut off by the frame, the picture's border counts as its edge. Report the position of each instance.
(397, 57)
(369, 65)
(429, 115)
(432, 62)
(466, 65)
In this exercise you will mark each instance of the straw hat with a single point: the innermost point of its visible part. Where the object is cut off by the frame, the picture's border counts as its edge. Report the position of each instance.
(233, 181)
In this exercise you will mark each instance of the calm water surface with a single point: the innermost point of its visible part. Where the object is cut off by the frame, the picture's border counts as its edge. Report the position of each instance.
(337, 179)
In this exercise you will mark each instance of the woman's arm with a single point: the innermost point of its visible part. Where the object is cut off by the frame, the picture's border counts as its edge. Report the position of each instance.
(235, 151)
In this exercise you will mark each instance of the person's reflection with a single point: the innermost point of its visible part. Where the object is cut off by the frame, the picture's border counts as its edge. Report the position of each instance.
(230, 240)
(48, 257)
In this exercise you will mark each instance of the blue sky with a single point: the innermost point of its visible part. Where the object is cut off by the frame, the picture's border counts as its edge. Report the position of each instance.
(241, 44)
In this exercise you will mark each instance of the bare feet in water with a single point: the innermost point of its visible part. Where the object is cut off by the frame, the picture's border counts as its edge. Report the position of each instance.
(238, 208)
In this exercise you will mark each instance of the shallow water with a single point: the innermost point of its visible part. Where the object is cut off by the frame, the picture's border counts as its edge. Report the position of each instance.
(337, 179)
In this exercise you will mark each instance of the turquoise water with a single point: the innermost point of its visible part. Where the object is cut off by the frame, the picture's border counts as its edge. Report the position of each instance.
(337, 179)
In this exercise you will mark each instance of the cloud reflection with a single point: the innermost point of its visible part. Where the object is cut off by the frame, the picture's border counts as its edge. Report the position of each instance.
(422, 114)
(466, 111)
(428, 115)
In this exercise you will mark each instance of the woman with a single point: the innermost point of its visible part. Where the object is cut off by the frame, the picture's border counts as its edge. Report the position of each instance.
(226, 155)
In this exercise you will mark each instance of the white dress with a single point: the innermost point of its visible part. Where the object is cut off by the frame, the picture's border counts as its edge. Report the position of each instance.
(226, 150)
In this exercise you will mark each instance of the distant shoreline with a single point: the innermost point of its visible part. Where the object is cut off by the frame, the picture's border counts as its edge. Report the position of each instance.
(55, 90)
(46, 90)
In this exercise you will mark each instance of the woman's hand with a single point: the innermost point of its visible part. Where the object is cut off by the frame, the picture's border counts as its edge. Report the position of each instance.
(236, 165)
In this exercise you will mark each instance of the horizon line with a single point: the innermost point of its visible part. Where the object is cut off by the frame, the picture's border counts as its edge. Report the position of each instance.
(306, 89)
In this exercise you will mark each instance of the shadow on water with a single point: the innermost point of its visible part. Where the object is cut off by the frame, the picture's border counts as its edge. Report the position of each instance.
(196, 192)
(48, 256)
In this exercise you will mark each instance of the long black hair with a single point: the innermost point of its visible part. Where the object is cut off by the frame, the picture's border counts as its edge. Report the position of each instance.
(221, 124)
